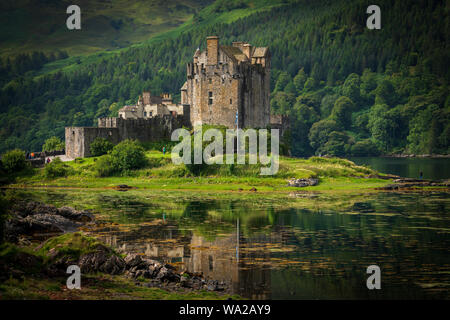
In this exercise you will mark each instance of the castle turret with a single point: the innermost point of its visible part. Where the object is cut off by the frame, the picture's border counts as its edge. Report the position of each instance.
(212, 44)
(247, 50)
(146, 97)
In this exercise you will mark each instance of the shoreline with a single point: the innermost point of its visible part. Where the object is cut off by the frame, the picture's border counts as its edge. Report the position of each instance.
(42, 240)
(415, 156)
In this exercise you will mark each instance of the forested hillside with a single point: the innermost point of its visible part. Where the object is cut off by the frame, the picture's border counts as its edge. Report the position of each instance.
(40, 25)
(348, 90)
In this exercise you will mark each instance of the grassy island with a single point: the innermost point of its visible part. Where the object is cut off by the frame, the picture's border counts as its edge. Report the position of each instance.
(160, 173)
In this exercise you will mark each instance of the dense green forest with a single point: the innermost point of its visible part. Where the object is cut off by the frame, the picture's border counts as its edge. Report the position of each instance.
(348, 90)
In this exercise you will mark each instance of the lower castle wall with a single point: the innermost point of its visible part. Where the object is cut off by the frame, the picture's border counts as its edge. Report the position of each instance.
(79, 139)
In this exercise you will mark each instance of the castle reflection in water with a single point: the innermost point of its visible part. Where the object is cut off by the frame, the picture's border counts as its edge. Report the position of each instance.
(228, 258)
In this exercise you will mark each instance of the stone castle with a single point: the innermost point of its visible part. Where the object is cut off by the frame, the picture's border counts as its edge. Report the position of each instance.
(226, 85)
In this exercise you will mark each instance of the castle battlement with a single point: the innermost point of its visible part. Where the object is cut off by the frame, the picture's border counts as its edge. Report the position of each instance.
(225, 81)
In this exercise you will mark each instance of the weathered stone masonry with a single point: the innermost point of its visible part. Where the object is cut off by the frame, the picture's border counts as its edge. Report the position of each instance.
(79, 139)
(225, 80)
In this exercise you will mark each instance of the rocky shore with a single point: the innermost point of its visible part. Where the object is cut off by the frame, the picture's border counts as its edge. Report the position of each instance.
(34, 219)
(416, 156)
(64, 246)
(407, 183)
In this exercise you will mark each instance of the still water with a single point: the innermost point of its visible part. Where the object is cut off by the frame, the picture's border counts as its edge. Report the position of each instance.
(296, 246)
(432, 168)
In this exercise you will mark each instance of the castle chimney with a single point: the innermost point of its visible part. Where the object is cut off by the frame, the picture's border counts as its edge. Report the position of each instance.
(247, 50)
(238, 44)
(212, 44)
(146, 97)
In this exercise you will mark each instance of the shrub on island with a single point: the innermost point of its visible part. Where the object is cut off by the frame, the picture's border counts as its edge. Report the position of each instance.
(14, 161)
(100, 146)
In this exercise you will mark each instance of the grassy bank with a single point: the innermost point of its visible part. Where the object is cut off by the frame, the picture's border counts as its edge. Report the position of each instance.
(162, 174)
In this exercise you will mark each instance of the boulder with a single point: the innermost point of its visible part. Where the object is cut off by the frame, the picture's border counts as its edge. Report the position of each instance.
(30, 218)
(132, 260)
(103, 260)
(168, 275)
(29, 226)
(72, 214)
(50, 223)
(26, 208)
(302, 182)
(113, 265)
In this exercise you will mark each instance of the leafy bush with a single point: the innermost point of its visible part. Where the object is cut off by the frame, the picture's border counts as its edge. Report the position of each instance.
(365, 148)
(128, 155)
(14, 161)
(202, 168)
(104, 166)
(56, 168)
(100, 146)
(338, 145)
(53, 144)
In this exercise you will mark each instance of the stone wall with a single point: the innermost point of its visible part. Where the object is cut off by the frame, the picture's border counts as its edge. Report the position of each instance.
(79, 139)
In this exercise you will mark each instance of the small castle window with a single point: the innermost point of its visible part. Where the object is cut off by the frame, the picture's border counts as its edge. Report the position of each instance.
(151, 113)
(145, 114)
(231, 101)
(210, 95)
(210, 80)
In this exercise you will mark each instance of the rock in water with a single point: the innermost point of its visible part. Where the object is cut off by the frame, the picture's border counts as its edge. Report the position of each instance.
(72, 214)
(50, 222)
(302, 182)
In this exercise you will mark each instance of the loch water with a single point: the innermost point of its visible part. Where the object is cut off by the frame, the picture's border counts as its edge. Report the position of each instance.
(282, 246)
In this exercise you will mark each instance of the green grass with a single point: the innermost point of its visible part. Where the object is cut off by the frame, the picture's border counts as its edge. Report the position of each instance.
(95, 287)
(162, 174)
(72, 245)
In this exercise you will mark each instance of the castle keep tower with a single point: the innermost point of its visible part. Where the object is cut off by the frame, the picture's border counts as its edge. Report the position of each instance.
(225, 80)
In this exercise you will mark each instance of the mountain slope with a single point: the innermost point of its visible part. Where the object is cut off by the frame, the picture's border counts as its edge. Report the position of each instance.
(40, 25)
(347, 89)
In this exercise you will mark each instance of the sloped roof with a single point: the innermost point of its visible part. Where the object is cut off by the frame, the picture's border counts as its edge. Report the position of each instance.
(184, 87)
(233, 53)
(155, 100)
(128, 108)
(260, 52)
